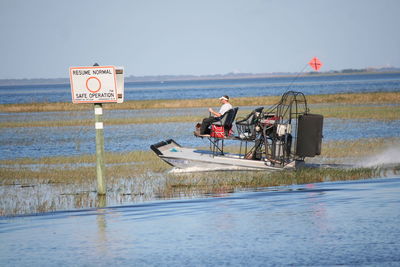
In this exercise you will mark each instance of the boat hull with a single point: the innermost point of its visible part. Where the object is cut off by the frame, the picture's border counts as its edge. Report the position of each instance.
(193, 160)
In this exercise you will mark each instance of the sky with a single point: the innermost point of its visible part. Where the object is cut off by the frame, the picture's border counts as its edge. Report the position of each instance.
(43, 38)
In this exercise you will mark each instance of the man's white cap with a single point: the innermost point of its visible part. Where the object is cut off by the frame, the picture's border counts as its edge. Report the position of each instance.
(224, 97)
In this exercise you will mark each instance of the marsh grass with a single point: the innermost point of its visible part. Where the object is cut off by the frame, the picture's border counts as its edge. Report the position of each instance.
(360, 112)
(37, 197)
(360, 98)
(107, 121)
(357, 148)
(59, 183)
(49, 184)
(331, 111)
(76, 169)
(226, 182)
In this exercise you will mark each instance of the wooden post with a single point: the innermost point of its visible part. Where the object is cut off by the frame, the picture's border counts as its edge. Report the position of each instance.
(101, 184)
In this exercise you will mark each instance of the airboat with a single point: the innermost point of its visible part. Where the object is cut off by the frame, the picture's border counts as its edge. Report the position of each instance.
(276, 138)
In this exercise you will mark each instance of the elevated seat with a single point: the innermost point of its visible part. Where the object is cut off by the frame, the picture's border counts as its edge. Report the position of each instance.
(246, 126)
(221, 130)
(223, 127)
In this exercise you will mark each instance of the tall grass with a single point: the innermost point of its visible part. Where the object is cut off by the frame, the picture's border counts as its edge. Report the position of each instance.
(216, 182)
(359, 98)
(54, 183)
(360, 112)
(357, 148)
(331, 111)
(78, 169)
(122, 165)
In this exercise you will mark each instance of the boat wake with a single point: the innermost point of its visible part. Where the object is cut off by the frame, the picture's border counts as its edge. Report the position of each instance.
(390, 156)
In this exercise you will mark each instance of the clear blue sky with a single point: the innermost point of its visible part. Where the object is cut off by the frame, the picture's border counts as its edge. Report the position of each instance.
(43, 38)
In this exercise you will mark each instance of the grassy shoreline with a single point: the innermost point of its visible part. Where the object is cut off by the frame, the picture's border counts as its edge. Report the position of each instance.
(376, 106)
(387, 113)
(357, 98)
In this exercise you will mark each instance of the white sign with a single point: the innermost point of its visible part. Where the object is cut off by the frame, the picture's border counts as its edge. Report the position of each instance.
(96, 84)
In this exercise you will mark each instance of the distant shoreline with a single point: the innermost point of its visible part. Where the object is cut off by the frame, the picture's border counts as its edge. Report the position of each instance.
(177, 78)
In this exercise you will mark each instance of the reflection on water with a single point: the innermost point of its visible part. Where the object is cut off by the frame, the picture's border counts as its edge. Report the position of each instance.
(101, 221)
(351, 223)
(33, 196)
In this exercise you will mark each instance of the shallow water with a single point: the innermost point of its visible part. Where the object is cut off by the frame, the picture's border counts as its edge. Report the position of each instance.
(337, 223)
(78, 140)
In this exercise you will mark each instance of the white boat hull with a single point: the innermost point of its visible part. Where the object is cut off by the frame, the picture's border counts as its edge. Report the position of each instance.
(193, 160)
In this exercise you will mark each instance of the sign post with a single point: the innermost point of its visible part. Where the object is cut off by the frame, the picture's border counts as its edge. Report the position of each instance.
(101, 183)
(97, 85)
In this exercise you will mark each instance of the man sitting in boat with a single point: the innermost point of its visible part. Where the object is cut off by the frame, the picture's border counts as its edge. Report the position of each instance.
(215, 116)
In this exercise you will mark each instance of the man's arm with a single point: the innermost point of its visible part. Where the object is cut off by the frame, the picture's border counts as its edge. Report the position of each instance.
(216, 114)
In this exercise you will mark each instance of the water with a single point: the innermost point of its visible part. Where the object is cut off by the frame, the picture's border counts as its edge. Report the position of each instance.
(337, 223)
(357, 83)
(61, 141)
(77, 140)
(345, 223)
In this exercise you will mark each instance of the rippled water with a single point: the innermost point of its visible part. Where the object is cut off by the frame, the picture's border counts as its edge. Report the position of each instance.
(338, 223)
(194, 89)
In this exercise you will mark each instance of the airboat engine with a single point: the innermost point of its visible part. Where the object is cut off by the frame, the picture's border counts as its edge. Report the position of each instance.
(290, 132)
(309, 135)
